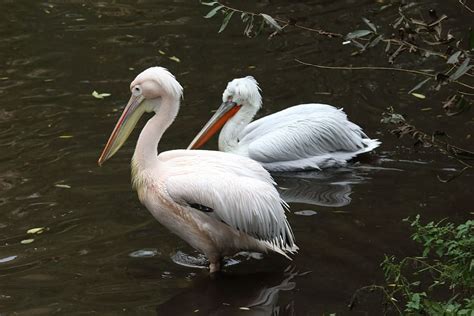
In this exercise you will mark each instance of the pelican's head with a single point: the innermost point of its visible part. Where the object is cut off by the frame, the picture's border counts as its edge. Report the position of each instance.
(148, 89)
(243, 92)
(241, 95)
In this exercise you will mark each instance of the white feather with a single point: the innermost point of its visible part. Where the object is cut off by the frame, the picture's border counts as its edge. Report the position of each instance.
(242, 197)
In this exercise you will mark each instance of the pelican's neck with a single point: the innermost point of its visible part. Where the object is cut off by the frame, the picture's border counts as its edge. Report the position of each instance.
(230, 134)
(146, 151)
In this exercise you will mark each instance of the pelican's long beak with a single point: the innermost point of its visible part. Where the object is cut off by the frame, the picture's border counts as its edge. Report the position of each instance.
(127, 121)
(227, 110)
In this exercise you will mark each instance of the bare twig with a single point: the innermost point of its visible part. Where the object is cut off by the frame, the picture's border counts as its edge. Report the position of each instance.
(463, 3)
(454, 176)
(417, 72)
(374, 287)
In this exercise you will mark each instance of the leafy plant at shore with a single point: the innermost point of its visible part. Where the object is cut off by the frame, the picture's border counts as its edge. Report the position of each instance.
(438, 282)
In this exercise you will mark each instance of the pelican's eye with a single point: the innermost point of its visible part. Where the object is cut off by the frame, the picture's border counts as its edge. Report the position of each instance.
(136, 91)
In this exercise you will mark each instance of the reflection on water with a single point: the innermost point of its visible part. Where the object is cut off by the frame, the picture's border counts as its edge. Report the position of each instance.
(231, 294)
(328, 188)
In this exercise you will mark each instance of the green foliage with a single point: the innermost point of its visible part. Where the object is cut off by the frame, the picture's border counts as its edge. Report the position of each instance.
(254, 22)
(446, 267)
(415, 30)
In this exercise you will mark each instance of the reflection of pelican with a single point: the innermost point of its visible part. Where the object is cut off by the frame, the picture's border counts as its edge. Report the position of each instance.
(219, 203)
(330, 188)
(229, 294)
(301, 137)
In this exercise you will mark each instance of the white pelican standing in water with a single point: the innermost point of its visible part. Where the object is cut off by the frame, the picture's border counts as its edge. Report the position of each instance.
(302, 137)
(219, 203)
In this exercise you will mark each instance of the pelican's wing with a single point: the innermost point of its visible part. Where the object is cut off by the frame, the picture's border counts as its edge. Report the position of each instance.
(241, 200)
(281, 118)
(307, 131)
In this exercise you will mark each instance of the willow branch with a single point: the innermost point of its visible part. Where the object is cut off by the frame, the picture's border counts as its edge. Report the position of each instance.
(285, 22)
(411, 71)
(463, 3)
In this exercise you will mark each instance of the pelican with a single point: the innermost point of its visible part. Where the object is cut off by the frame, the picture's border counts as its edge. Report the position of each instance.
(219, 203)
(302, 137)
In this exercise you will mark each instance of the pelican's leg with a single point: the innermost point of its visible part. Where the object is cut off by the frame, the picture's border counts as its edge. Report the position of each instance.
(215, 265)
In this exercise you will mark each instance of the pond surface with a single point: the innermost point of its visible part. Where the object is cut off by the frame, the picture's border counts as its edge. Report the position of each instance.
(101, 252)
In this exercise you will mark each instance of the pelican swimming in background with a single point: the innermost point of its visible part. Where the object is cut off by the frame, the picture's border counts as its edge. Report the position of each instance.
(302, 137)
(219, 203)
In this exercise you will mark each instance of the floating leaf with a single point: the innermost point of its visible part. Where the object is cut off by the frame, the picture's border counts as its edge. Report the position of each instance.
(462, 69)
(26, 241)
(358, 34)
(176, 59)
(391, 117)
(213, 12)
(370, 24)
(6, 259)
(209, 3)
(271, 21)
(418, 95)
(225, 21)
(419, 85)
(454, 58)
(144, 253)
(62, 186)
(98, 95)
(36, 230)
(306, 213)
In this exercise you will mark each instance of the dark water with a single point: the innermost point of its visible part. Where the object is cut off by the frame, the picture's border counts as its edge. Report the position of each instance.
(102, 253)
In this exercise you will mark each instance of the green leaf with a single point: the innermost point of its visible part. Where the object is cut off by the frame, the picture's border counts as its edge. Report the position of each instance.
(248, 29)
(226, 21)
(375, 41)
(358, 34)
(210, 4)
(213, 12)
(454, 58)
(419, 85)
(271, 21)
(370, 25)
(462, 69)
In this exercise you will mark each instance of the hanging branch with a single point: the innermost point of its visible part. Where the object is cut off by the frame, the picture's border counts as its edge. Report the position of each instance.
(417, 72)
(251, 18)
(463, 3)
